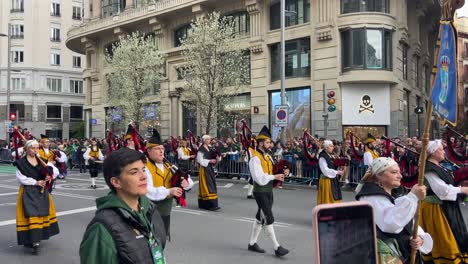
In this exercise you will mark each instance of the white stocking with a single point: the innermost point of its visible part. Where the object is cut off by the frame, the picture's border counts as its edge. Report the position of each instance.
(271, 234)
(250, 190)
(93, 181)
(256, 228)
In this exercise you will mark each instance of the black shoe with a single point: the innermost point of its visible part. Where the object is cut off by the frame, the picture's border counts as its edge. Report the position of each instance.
(36, 248)
(214, 208)
(250, 197)
(281, 251)
(256, 248)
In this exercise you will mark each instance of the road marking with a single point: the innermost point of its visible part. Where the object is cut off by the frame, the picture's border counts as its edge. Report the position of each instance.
(227, 186)
(10, 180)
(5, 194)
(57, 193)
(86, 180)
(68, 212)
(276, 222)
(7, 204)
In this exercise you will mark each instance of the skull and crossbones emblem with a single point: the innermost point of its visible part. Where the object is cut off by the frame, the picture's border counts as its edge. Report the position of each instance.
(366, 105)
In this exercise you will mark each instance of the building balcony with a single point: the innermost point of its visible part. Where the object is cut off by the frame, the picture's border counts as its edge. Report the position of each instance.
(129, 17)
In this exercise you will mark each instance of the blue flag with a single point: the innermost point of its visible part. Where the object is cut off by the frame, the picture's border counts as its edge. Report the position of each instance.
(444, 93)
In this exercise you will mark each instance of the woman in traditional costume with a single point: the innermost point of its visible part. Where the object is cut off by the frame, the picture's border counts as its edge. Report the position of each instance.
(441, 215)
(393, 214)
(35, 211)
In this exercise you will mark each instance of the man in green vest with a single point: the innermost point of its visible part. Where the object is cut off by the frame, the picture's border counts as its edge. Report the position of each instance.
(261, 170)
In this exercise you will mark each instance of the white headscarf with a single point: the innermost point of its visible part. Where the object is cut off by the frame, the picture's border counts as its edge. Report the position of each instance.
(327, 143)
(381, 164)
(433, 145)
(29, 144)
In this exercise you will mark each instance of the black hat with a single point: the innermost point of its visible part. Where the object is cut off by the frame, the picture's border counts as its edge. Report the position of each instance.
(154, 140)
(44, 137)
(370, 138)
(264, 133)
(128, 134)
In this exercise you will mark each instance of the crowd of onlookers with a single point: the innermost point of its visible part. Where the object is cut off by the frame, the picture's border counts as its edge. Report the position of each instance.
(234, 161)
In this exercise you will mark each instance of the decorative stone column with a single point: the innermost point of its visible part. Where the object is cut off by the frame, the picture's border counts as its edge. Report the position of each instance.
(253, 8)
(158, 29)
(325, 14)
(174, 97)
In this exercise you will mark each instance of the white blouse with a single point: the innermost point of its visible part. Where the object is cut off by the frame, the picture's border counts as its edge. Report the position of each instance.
(441, 189)
(327, 172)
(392, 218)
(25, 180)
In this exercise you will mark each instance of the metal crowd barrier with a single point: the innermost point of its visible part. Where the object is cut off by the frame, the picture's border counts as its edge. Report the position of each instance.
(5, 156)
(234, 166)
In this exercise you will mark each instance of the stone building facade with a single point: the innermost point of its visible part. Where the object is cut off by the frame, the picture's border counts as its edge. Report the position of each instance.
(374, 55)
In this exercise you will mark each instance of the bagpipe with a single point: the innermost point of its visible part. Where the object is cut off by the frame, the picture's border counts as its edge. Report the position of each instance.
(458, 159)
(178, 176)
(113, 141)
(138, 139)
(247, 139)
(357, 152)
(308, 142)
(191, 144)
(174, 144)
(45, 170)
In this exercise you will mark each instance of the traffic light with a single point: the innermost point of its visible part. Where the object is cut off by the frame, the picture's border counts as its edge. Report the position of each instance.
(12, 116)
(331, 101)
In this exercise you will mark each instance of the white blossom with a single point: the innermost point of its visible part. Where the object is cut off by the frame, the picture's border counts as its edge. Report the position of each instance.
(216, 68)
(136, 65)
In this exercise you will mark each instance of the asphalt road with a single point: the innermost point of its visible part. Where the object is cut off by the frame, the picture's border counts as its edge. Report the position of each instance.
(198, 237)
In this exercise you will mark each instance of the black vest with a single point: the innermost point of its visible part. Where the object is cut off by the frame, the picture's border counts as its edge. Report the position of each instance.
(403, 238)
(122, 226)
(451, 209)
(335, 182)
(29, 170)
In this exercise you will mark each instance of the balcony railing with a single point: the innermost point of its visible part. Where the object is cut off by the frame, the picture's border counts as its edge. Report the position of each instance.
(17, 10)
(128, 15)
(18, 36)
(55, 14)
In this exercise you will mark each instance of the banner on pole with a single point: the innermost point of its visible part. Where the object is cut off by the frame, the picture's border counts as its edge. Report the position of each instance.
(444, 92)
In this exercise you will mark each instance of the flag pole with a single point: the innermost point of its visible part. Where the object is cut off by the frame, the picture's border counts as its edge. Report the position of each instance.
(448, 11)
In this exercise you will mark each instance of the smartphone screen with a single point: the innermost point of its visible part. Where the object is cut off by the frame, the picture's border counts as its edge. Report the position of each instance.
(346, 235)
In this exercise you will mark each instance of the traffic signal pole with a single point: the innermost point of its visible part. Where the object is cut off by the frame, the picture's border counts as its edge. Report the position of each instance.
(8, 80)
(325, 113)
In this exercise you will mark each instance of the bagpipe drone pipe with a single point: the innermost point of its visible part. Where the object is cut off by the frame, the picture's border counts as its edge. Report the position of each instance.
(178, 176)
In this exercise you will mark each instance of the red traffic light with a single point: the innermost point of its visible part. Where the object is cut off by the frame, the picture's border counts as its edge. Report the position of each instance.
(12, 116)
(331, 94)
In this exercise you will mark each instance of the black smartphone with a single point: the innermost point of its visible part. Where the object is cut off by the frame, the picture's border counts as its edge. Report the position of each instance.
(345, 233)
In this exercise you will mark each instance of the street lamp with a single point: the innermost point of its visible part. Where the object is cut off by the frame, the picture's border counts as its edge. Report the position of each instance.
(283, 13)
(8, 75)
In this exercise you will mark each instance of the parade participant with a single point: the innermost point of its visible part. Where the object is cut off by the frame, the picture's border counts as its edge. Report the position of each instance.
(44, 151)
(207, 190)
(441, 216)
(329, 190)
(94, 157)
(393, 215)
(370, 153)
(183, 155)
(61, 162)
(127, 227)
(160, 189)
(128, 138)
(261, 170)
(35, 211)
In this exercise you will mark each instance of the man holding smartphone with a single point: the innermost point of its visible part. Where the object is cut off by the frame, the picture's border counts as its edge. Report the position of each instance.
(261, 170)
